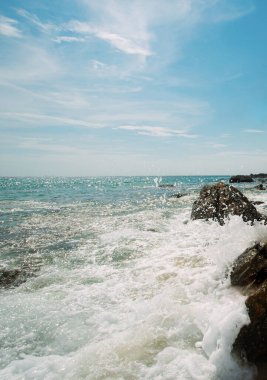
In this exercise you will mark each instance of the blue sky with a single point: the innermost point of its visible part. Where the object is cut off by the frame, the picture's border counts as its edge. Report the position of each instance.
(140, 87)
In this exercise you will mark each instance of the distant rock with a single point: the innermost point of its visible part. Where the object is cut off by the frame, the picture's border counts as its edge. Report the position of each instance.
(241, 178)
(219, 201)
(259, 175)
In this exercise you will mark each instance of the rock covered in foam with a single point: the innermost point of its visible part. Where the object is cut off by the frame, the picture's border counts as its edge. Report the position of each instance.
(219, 201)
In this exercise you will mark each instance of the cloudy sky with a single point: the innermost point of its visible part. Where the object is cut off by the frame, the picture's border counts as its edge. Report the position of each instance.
(133, 87)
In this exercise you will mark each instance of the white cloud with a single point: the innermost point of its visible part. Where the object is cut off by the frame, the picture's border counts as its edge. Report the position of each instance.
(8, 27)
(60, 39)
(156, 131)
(253, 131)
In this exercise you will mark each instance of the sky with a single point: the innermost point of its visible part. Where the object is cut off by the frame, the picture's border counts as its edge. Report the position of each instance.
(133, 87)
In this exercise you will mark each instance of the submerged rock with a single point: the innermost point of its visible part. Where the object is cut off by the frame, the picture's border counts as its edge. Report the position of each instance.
(219, 201)
(240, 178)
(250, 270)
(178, 195)
(260, 187)
(15, 277)
(166, 185)
(12, 277)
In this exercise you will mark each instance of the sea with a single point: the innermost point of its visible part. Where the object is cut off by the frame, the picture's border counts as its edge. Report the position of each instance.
(119, 282)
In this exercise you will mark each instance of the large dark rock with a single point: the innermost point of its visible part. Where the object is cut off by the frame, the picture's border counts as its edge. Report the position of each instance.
(241, 178)
(219, 201)
(250, 268)
(250, 271)
(251, 342)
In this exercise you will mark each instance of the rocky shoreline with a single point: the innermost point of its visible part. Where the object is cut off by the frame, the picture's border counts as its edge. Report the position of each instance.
(249, 271)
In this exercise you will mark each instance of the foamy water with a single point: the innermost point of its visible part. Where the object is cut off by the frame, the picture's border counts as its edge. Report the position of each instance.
(128, 286)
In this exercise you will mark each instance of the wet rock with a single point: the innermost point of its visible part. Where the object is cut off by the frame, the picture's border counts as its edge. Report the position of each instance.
(250, 268)
(251, 342)
(250, 272)
(12, 277)
(177, 195)
(256, 203)
(219, 201)
(15, 277)
(259, 175)
(260, 187)
(166, 185)
(241, 178)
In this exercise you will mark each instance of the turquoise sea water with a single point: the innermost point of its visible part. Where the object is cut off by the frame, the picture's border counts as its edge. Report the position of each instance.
(118, 282)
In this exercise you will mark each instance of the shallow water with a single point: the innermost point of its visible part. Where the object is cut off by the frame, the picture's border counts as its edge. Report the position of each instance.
(124, 284)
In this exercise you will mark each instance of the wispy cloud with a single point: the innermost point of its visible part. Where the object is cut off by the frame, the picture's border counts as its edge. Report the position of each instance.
(122, 43)
(156, 131)
(253, 131)
(229, 11)
(45, 27)
(61, 39)
(48, 120)
(8, 27)
(32, 62)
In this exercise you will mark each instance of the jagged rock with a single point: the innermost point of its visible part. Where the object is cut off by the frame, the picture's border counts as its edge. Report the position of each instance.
(251, 342)
(250, 271)
(250, 268)
(219, 201)
(241, 178)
